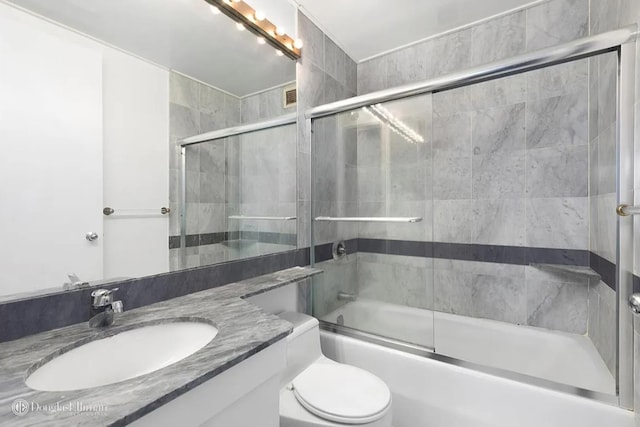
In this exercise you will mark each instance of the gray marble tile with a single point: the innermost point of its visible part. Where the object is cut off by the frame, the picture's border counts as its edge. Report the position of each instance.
(232, 106)
(311, 81)
(250, 109)
(183, 91)
(408, 65)
(606, 227)
(607, 90)
(558, 121)
(556, 22)
(558, 171)
(407, 182)
(593, 167)
(495, 93)
(192, 211)
(558, 223)
(473, 291)
(213, 157)
(499, 129)
(212, 187)
(333, 91)
(421, 231)
(498, 38)
(558, 80)
(338, 276)
(499, 222)
(593, 97)
(499, 175)
(401, 284)
(606, 161)
(211, 101)
(193, 187)
(453, 221)
(451, 102)
(351, 74)
(557, 306)
(183, 122)
(370, 146)
(451, 52)
(372, 184)
(452, 134)
(313, 41)
(271, 103)
(452, 177)
(372, 75)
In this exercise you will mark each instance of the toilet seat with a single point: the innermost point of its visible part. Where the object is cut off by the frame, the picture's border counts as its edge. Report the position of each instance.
(342, 393)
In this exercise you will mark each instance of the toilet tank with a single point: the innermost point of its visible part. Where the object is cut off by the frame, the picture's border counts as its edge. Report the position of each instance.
(303, 344)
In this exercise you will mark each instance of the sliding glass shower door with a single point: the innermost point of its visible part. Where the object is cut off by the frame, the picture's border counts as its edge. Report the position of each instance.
(478, 224)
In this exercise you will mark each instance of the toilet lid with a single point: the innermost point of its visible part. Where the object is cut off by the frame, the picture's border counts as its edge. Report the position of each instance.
(342, 393)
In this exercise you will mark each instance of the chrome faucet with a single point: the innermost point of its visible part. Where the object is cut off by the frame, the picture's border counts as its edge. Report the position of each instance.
(103, 308)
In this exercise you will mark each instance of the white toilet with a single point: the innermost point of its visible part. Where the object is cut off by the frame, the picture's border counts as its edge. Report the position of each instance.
(316, 391)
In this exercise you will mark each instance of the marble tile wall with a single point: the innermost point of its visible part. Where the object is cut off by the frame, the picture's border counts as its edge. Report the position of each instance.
(266, 105)
(197, 108)
(325, 73)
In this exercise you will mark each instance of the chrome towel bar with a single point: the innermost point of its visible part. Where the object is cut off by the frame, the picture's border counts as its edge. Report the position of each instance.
(136, 212)
(369, 219)
(265, 218)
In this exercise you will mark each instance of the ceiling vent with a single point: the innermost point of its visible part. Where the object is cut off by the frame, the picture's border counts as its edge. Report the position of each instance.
(290, 97)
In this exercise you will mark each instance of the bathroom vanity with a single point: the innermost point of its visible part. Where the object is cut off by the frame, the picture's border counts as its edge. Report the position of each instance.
(232, 380)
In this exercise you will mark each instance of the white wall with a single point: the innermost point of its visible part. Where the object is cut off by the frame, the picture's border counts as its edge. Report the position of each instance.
(136, 165)
(69, 107)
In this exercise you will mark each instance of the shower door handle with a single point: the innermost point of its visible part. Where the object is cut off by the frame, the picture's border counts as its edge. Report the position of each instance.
(634, 303)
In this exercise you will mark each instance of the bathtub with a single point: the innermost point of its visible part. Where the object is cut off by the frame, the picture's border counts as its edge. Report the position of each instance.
(560, 357)
(429, 393)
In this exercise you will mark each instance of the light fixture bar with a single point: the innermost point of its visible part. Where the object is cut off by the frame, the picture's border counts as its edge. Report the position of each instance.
(242, 13)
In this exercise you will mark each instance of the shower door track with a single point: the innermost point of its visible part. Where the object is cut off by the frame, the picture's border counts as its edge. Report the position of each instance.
(621, 41)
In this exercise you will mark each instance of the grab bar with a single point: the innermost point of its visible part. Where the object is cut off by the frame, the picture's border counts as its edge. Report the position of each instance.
(369, 219)
(135, 212)
(266, 218)
(626, 210)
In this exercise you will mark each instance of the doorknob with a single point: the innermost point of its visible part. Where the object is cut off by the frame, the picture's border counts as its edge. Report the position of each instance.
(91, 236)
(634, 303)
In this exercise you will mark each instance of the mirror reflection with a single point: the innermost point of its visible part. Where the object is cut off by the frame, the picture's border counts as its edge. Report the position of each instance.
(91, 119)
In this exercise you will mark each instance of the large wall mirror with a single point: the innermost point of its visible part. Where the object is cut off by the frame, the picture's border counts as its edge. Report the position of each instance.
(96, 98)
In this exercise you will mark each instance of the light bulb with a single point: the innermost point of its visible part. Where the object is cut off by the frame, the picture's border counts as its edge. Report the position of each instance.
(280, 31)
(261, 40)
(297, 44)
(279, 52)
(259, 15)
(214, 10)
(240, 27)
(236, 1)
(227, 1)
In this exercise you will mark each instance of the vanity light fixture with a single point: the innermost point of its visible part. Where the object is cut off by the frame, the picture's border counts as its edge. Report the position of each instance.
(257, 23)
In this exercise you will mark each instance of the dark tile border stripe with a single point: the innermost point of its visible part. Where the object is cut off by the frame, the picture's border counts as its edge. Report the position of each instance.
(518, 255)
(605, 268)
(194, 240)
(20, 318)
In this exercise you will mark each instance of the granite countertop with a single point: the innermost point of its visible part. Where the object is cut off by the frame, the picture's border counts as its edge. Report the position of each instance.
(243, 330)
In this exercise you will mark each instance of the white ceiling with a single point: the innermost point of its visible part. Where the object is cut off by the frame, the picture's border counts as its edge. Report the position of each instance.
(364, 28)
(182, 35)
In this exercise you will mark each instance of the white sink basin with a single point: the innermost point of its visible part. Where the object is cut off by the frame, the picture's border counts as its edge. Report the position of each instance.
(123, 356)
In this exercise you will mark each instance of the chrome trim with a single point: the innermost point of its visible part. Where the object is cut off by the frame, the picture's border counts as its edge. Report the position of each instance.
(625, 191)
(431, 354)
(583, 47)
(634, 303)
(626, 210)
(265, 218)
(367, 219)
(183, 207)
(286, 119)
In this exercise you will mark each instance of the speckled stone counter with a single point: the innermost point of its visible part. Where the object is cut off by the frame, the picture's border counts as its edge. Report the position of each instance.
(243, 330)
